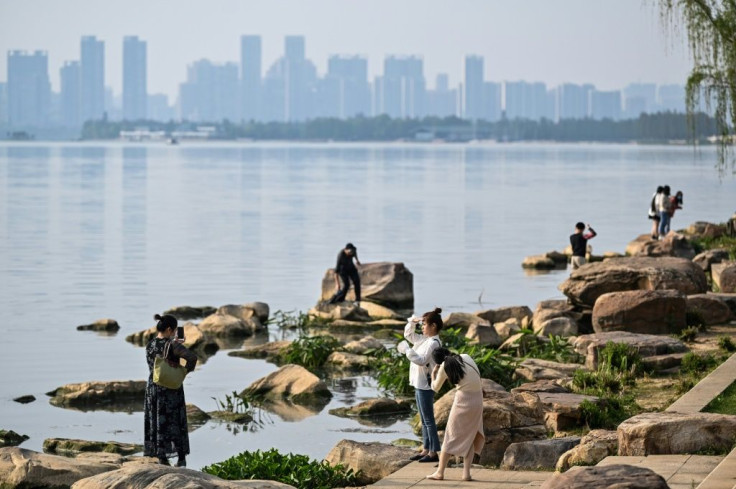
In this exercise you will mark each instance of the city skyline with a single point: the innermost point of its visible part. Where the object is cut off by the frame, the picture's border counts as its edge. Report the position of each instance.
(534, 41)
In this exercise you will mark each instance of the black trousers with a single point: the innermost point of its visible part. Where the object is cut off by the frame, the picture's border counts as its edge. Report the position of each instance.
(346, 277)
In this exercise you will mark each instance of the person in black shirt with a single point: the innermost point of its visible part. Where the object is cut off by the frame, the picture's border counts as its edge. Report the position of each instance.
(347, 271)
(579, 242)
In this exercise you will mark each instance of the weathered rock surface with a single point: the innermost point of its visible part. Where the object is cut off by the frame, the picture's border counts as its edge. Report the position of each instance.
(663, 362)
(184, 313)
(539, 262)
(9, 438)
(346, 311)
(378, 324)
(268, 350)
(724, 276)
(154, 476)
(503, 314)
(708, 258)
(705, 229)
(98, 394)
(348, 361)
(640, 311)
(674, 244)
(508, 328)
(262, 310)
(377, 311)
(220, 324)
(70, 447)
(551, 309)
(463, 320)
(607, 477)
(483, 334)
(196, 416)
(562, 410)
(559, 326)
(592, 280)
(290, 381)
(385, 283)
(728, 299)
(551, 386)
(374, 460)
(375, 407)
(25, 468)
(532, 369)
(713, 309)
(676, 433)
(364, 345)
(537, 454)
(594, 447)
(245, 313)
(521, 342)
(646, 344)
(107, 325)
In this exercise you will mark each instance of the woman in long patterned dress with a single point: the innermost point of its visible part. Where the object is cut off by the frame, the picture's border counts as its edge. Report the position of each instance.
(165, 409)
(464, 434)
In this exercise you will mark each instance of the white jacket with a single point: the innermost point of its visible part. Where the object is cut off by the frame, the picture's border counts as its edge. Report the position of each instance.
(420, 356)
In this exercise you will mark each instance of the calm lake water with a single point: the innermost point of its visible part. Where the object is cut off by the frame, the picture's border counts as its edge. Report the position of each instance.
(89, 231)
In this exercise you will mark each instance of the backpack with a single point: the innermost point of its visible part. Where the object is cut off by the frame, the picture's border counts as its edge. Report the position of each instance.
(652, 207)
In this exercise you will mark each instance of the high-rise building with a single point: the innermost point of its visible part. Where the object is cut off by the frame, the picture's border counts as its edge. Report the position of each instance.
(300, 77)
(159, 108)
(573, 101)
(671, 98)
(638, 98)
(525, 100)
(135, 92)
(71, 91)
(473, 104)
(605, 105)
(402, 87)
(345, 90)
(93, 78)
(491, 110)
(250, 77)
(3, 103)
(210, 93)
(441, 102)
(29, 90)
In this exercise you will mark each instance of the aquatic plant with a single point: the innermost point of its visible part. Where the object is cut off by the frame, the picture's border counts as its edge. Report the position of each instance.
(309, 351)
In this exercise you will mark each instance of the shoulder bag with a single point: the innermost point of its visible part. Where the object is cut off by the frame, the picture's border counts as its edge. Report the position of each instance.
(164, 374)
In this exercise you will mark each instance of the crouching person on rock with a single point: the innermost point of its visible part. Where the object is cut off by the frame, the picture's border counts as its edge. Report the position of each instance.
(165, 410)
(464, 432)
(420, 356)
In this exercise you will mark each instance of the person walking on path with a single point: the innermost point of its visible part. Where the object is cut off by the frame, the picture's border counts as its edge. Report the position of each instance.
(165, 411)
(664, 204)
(347, 271)
(464, 432)
(420, 376)
(653, 214)
(579, 242)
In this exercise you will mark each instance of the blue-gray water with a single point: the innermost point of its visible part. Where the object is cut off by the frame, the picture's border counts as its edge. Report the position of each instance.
(124, 231)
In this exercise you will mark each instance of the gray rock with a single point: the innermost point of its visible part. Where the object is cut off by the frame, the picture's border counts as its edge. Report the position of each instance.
(606, 477)
(646, 344)
(551, 386)
(69, 447)
(562, 410)
(375, 407)
(724, 276)
(483, 334)
(537, 454)
(594, 447)
(559, 326)
(463, 320)
(293, 382)
(99, 394)
(374, 460)
(503, 314)
(106, 325)
(20, 468)
(364, 345)
(184, 313)
(551, 309)
(713, 309)
(342, 311)
(533, 369)
(707, 258)
(640, 311)
(674, 244)
(385, 283)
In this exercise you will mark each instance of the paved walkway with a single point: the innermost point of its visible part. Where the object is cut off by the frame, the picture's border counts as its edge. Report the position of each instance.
(707, 389)
(680, 471)
(413, 475)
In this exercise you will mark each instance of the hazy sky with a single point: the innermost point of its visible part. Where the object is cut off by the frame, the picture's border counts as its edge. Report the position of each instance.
(606, 42)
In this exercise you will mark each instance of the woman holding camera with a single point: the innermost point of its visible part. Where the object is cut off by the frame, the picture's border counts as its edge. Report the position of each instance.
(464, 431)
(165, 424)
(420, 356)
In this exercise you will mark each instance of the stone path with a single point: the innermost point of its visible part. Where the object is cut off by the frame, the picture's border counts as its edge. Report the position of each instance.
(680, 471)
(708, 388)
(413, 475)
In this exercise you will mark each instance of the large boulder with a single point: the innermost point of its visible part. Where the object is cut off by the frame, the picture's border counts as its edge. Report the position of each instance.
(592, 280)
(533, 369)
(563, 411)
(607, 477)
(184, 313)
(348, 361)
(484, 334)
(99, 394)
(646, 345)
(385, 283)
(154, 476)
(538, 262)
(503, 314)
(221, 324)
(703, 229)
(713, 309)
(707, 259)
(374, 460)
(23, 468)
(640, 311)
(364, 345)
(508, 328)
(552, 386)
(9, 438)
(724, 276)
(345, 311)
(728, 299)
(70, 447)
(463, 320)
(375, 407)
(552, 309)
(594, 447)
(559, 326)
(104, 325)
(377, 311)
(674, 244)
(247, 313)
(269, 351)
(537, 454)
(293, 382)
(676, 433)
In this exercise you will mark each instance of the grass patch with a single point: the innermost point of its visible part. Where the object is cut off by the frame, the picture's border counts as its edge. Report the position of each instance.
(688, 334)
(703, 244)
(557, 349)
(297, 470)
(726, 344)
(608, 412)
(309, 351)
(694, 367)
(724, 403)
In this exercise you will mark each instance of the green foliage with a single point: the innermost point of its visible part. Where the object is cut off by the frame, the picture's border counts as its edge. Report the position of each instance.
(701, 244)
(309, 351)
(295, 320)
(693, 364)
(689, 334)
(608, 412)
(392, 372)
(724, 403)
(621, 358)
(233, 403)
(601, 381)
(296, 470)
(557, 349)
(726, 344)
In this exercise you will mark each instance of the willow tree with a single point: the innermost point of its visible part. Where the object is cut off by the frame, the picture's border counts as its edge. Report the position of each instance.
(711, 31)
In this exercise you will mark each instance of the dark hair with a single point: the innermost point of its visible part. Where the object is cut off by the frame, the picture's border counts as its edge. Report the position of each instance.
(167, 321)
(660, 189)
(433, 317)
(580, 225)
(666, 189)
(454, 364)
(350, 246)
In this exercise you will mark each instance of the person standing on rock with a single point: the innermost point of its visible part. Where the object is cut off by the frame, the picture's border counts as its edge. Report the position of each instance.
(165, 410)
(464, 432)
(664, 205)
(653, 214)
(420, 376)
(579, 242)
(347, 271)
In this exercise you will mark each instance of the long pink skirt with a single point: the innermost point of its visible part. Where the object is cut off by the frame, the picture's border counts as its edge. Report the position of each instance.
(465, 424)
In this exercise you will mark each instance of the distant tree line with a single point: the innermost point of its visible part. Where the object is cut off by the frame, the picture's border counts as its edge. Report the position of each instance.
(660, 127)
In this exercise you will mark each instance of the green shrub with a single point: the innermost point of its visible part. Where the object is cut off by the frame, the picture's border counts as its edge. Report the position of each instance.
(557, 349)
(392, 372)
(233, 403)
(295, 320)
(688, 334)
(698, 365)
(296, 470)
(608, 412)
(727, 242)
(309, 351)
(621, 358)
(602, 381)
(726, 344)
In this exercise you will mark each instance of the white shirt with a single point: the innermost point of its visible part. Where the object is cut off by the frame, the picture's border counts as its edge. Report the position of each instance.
(420, 356)
(470, 382)
(661, 202)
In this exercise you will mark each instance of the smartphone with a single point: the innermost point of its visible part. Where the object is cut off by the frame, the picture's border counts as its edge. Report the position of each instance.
(180, 332)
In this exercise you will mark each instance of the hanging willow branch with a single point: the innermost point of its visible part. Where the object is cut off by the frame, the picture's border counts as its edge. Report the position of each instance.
(711, 31)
